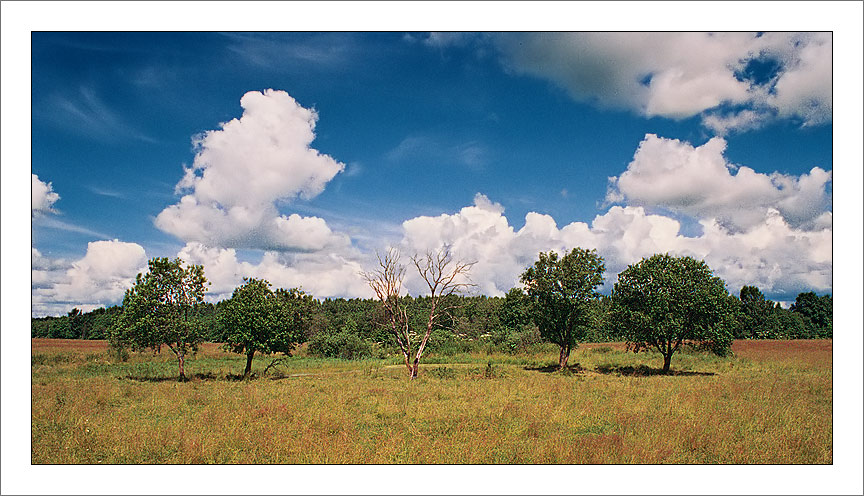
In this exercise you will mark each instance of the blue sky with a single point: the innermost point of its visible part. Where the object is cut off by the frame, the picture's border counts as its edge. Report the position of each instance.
(717, 146)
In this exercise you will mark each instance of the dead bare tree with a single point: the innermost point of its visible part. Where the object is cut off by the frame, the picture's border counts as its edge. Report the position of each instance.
(444, 277)
(386, 281)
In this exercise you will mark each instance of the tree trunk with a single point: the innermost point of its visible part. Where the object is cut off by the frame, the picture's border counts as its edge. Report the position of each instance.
(563, 357)
(248, 370)
(408, 364)
(415, 369)
(182, 360)
(667, 360)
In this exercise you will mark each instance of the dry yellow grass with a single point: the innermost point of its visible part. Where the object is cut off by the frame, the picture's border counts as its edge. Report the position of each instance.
(771, 403)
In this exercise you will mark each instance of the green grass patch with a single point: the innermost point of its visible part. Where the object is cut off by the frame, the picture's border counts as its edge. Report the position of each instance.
(759, 406)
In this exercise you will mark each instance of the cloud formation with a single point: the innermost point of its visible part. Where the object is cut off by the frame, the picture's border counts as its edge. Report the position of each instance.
(680, 75)
(699, 182)
(241, 171)
(98, 279)
(772, 254)
(320, 274)
(42, 196)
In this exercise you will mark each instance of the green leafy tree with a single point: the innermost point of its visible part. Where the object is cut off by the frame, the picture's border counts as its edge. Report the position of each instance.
(515, 329)
(160, 310)
(60, 328)
(817, 312)
(75, 324)
(792, 324)
(760, 318)
(256, 319)
(39, 327)
(560, 290)
(664, 302)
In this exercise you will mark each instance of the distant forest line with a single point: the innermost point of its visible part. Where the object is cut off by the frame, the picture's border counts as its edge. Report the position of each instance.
(354, 328)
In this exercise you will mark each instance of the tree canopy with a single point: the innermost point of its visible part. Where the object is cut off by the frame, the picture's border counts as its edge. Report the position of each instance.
(664, 302)
(160, 309)
(817, 312)
(256, 319)
(560, 290)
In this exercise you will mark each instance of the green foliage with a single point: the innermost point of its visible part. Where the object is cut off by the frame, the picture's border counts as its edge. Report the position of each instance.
(515, 331)
(89, 325)
(817, 313)
(663, 302)
(256, 319)
(560, 291)
(345, 343)
(160, 309)
(61, 329)
(760, 318)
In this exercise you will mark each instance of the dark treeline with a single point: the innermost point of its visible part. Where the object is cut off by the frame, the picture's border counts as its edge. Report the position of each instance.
(353, 328)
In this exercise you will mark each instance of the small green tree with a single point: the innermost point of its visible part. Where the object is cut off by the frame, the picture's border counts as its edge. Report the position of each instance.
(817, 312)
(664, 302)
(256, 319)
(160, 310)
(75, 324)
(560, 290)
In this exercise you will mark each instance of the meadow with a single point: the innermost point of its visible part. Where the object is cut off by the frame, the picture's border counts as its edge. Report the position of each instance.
(770, 403)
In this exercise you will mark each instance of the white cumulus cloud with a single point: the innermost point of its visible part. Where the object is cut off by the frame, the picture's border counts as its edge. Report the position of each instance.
(241, 170)
(772, 254)
(98, 279)
(699, 181)
(680, 75)
(323, 274)
(42, 196)
(804, 88)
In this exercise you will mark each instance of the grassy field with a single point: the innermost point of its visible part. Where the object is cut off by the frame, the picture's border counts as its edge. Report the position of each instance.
(770, 403)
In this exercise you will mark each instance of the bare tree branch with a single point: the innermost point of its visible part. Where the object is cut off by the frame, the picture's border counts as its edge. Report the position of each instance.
(386, 282)
(444, 277)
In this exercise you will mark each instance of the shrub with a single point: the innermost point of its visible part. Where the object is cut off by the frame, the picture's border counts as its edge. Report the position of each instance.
(342, 344)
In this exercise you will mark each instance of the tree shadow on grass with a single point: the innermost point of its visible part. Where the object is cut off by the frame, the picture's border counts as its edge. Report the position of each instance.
(549, 369)
(643, 371)
(209, 376)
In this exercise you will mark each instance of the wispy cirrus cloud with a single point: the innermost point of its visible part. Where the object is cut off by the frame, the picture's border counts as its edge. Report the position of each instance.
(272, 51)
(471, 154)
(55, 223)
(101, 191)
(86, 113)
(42, 199)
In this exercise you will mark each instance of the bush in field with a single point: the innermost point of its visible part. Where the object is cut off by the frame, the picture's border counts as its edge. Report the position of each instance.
(663, 302)
(344, 343)
(256, 319)
(515, 331)
(560, 291)
(160, 310)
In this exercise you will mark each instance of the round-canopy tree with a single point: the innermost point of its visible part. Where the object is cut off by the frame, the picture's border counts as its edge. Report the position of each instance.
(256, 319)
(160, 309)
(663, 302)
(561, 290)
